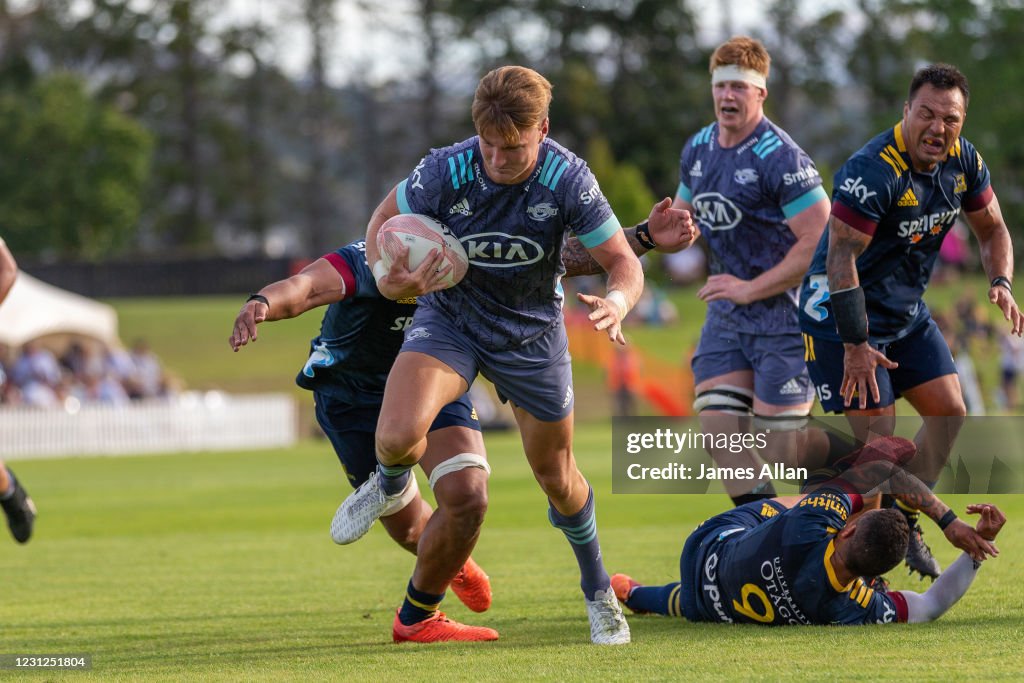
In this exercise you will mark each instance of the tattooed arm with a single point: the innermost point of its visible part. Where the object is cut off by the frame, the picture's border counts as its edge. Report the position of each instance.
(845, 244)
(884, 476)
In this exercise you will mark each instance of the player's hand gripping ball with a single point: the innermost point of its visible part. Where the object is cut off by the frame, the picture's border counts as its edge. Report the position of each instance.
(420, 234)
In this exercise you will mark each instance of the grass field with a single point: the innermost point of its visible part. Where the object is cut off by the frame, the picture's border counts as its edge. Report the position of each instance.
(220, 566)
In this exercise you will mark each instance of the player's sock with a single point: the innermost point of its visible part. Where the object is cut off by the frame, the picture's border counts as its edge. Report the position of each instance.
(581, 530)
(5, 495)
(913, 516)
(393, 478)
(418, 605)
(762, 491)
(657, 599)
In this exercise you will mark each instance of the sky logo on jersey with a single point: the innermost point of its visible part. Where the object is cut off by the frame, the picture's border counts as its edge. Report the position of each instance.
(745, 176)
(856, 188)
(461, 207)
(542, 212)
(501, 250)
(716, 212)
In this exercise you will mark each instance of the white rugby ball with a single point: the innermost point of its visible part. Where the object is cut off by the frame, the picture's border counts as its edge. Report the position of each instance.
(420, 234)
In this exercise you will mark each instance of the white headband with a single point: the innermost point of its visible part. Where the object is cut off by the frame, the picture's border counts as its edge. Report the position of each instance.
(731, 72)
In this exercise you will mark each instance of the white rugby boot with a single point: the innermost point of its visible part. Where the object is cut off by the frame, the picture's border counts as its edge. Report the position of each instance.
(607, 624)
(362, 508)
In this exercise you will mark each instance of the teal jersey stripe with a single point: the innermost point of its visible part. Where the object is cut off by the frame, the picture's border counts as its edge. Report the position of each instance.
(403, 203)
(462, 167)
(602, 234)
(469, 165)
(455, 174)
(684, 193)
(804, 201)
(546, 168)
(558, 174)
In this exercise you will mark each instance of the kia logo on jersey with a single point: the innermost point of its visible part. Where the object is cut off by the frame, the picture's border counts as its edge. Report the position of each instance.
(501, 250)
(716, 212)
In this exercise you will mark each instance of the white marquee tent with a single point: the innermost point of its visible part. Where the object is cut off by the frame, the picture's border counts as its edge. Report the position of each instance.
(34, 309)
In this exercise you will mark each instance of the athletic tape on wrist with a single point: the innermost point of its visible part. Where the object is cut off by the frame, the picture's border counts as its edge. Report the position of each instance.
(379, 271)
(620, 300)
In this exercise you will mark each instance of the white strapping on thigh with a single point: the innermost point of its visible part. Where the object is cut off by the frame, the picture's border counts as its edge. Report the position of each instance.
(456, 463)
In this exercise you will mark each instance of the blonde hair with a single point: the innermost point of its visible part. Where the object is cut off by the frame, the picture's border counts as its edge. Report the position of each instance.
(509, 99)
(744, 52)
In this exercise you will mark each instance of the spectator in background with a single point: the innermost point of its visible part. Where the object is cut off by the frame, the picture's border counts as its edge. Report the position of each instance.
(1011, 362)
(18, 507)
(149, 373)
(623, 378)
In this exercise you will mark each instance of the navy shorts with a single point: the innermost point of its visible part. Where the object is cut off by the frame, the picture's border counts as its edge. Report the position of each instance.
(536, 377)
(350, 430)
(777, 360)
(923, 355)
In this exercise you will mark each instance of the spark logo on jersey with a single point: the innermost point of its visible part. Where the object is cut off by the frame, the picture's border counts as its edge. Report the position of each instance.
(542, 212)
(933, 223)
(501, 250)
(856, 188)
(745, 176)
(716, 212)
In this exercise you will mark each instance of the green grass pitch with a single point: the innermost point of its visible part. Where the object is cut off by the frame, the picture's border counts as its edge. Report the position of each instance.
(220, 567)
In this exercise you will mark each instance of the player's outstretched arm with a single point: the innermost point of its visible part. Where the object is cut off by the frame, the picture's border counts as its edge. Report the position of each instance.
(957, 578)
(997, 259)
(315, 285)
(667, 229)
(876, 472)
(625, 284)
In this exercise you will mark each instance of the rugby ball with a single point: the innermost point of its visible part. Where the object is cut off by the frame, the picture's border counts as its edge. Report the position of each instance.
(420, 234)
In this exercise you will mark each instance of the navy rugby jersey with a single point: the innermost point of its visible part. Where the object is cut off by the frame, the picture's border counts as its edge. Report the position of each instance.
(778, 572)
(742, 197)
(359, 337)
(907, 214)
(513, 235)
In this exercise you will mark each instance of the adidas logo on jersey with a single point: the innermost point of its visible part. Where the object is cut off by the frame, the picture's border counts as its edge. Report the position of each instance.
(791, 388)
(461, 207)
(908, 198)
(568, 397)
(695, 171)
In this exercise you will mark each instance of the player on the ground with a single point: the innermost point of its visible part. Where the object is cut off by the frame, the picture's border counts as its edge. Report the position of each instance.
(347, 368)
(14, 499)
(869, 336)
(762, 563)
(758, 201)
(511, 195)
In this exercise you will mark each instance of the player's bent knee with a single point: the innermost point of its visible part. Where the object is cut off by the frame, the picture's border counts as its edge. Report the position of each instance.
(409, 495)
(395, 444)
(725, 398)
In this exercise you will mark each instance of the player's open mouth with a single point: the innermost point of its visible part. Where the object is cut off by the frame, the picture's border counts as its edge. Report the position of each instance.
(729, 110)
(934, 145)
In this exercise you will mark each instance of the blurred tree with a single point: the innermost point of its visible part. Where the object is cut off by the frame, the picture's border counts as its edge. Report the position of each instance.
(72, 172)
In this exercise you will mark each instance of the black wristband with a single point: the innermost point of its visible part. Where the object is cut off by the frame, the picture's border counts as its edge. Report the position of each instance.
(1001, 281)
(258, 297)
(947, 519)
(643, 235)
(851, 315)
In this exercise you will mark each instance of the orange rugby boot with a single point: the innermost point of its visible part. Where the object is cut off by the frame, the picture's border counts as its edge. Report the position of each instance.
(439, 628)
(473, 587)
(623, 585)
